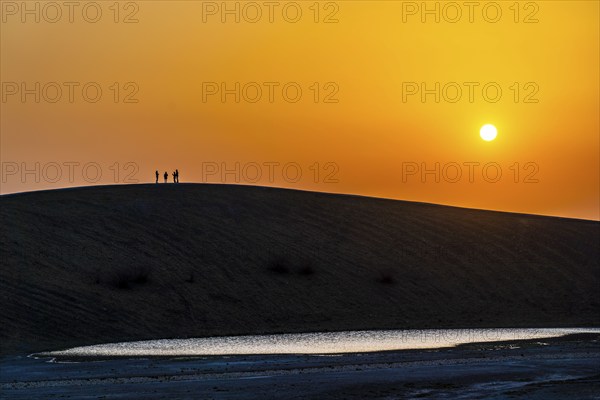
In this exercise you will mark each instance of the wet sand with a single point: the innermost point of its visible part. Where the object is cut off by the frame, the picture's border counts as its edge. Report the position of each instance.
(557, 368)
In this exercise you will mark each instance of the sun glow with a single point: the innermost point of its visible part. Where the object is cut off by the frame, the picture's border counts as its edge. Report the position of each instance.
(488, 132)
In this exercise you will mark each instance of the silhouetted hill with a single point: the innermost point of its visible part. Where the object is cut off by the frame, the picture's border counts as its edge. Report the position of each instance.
(98, 264)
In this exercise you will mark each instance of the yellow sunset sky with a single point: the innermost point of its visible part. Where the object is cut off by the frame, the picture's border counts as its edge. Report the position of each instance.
(365, 134)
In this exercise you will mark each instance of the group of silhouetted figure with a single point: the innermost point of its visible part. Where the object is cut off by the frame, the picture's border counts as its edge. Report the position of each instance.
(166, 176)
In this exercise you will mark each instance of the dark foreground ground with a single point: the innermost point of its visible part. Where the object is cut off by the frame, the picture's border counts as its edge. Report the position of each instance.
(560, 368)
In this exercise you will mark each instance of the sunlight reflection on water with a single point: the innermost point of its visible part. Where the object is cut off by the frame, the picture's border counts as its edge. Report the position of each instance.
(315, 343)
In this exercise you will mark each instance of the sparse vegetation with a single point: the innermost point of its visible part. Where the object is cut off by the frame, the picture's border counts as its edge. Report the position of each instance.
(386, 277)
(279, 266)
(306, 269)
(126, 278)
(282, 265)
(191, 278)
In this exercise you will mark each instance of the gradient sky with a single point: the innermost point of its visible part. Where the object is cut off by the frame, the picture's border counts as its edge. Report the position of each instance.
(368, 140)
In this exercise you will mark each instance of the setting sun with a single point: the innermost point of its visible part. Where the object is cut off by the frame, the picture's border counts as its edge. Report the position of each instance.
(488, 132)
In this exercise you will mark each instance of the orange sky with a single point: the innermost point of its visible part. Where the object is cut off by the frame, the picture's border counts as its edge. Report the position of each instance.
(365, 142)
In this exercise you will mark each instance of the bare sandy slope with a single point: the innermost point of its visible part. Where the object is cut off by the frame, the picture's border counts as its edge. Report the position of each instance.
(98, 264)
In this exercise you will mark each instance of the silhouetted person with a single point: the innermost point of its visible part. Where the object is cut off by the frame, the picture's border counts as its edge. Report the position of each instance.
(176, 176)
(166, 175)
(157, 176)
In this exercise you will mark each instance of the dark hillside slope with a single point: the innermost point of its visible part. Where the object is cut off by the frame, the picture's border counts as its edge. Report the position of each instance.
(98, 264)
